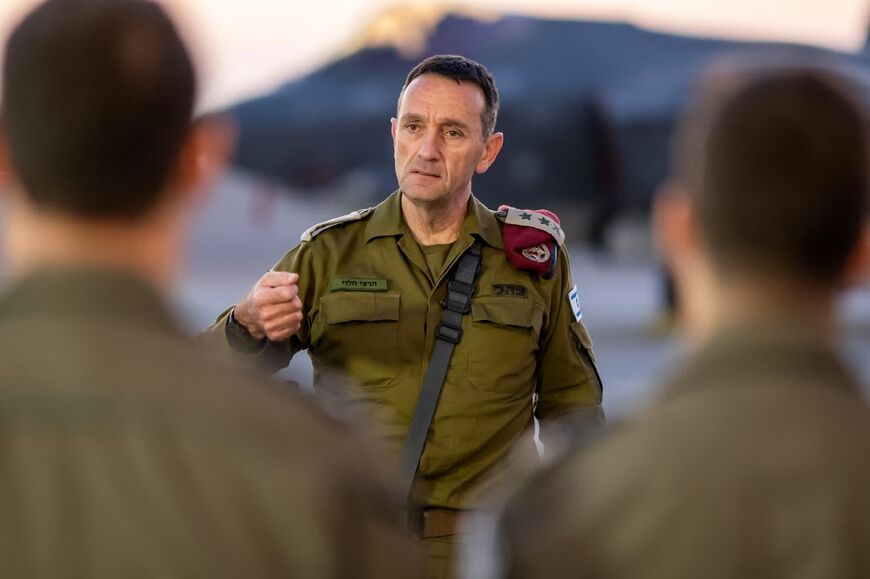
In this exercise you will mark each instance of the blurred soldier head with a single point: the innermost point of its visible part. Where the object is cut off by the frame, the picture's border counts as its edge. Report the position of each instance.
(96, 127)
(767, 203)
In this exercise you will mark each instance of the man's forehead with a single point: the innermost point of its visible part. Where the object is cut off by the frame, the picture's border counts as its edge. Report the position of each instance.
(434, 92)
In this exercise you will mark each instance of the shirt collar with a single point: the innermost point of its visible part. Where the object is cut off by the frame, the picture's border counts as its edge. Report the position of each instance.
(387, 220)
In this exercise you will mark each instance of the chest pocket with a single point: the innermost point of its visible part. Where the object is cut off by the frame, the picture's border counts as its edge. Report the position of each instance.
(503, 344)
(358, 333)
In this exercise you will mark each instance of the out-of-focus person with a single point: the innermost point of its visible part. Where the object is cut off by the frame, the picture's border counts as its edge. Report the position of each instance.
(127, 450)
(752, 461)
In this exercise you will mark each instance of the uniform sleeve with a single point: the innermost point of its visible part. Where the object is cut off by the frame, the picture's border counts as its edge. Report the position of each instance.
(271, 356)
(569, 387)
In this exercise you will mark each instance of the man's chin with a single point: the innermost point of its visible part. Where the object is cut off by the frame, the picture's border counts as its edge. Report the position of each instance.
(422, 194)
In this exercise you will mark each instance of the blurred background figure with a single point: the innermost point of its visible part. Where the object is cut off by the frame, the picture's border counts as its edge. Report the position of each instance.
(751, 461)
(126, 450)
(598, 137)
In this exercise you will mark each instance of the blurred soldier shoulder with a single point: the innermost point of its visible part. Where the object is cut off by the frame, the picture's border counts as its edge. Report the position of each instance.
(126, 440)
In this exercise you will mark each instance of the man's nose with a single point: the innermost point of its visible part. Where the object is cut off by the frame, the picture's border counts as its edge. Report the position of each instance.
(429, 146)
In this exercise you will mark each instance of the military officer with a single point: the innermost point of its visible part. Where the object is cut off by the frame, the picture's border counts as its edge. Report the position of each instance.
(363, 294)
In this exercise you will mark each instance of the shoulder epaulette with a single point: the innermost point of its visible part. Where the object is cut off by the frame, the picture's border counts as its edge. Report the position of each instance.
(529, 218)
(316, 230)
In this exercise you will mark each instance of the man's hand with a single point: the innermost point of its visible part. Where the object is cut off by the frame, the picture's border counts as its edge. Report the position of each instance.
(272, 309)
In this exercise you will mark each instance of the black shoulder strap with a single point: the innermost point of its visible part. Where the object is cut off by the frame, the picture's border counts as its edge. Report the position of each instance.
(460, 288)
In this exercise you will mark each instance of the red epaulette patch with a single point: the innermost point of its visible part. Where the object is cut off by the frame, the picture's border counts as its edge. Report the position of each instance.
(531, 238)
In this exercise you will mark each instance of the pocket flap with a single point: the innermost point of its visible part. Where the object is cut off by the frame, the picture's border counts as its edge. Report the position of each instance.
(340, 307)
(519, 312)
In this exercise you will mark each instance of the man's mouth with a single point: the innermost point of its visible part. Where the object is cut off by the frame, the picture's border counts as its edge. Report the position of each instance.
(425, 173)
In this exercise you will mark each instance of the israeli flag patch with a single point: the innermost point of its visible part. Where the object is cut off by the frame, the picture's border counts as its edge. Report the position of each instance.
(574, 300)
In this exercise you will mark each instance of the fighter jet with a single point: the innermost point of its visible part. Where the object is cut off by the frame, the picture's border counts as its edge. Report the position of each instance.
(587, 107)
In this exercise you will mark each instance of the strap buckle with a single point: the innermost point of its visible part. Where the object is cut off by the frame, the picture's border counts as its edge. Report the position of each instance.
(458, 297)
(448, 333)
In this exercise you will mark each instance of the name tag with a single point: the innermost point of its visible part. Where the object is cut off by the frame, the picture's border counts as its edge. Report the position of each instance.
(358, 284)
(507, 289)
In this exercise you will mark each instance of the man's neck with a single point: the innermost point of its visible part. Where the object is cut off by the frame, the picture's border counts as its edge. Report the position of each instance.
(435, 224)
(738, 304)
(36, 239)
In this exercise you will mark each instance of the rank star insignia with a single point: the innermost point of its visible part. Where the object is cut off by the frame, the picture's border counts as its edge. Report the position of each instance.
(526, 216)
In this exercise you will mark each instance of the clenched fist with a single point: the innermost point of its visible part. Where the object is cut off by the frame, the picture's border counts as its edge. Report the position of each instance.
(272, 309)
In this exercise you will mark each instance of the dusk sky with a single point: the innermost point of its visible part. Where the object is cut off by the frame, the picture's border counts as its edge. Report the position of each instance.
(246, 47)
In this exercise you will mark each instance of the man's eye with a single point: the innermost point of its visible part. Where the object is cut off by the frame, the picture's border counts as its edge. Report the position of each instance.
(413, 127)
(453, 133)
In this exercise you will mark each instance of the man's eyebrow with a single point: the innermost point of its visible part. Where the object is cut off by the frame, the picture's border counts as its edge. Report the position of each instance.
(445, 122)
(452, 123)
(410, 117)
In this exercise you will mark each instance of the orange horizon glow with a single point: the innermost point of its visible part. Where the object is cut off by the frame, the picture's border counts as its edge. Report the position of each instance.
(247, 48)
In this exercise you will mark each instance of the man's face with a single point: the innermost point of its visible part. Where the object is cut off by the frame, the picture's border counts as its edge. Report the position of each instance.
(438, 141)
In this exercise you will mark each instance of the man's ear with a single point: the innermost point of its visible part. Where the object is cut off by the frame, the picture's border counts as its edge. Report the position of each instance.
(674, 224)
(858, 266)
(494, 144)
(206, 151)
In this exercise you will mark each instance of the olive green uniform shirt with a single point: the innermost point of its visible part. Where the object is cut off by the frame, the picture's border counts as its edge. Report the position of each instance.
(127, 451)
(371, 308)
(752, 463)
